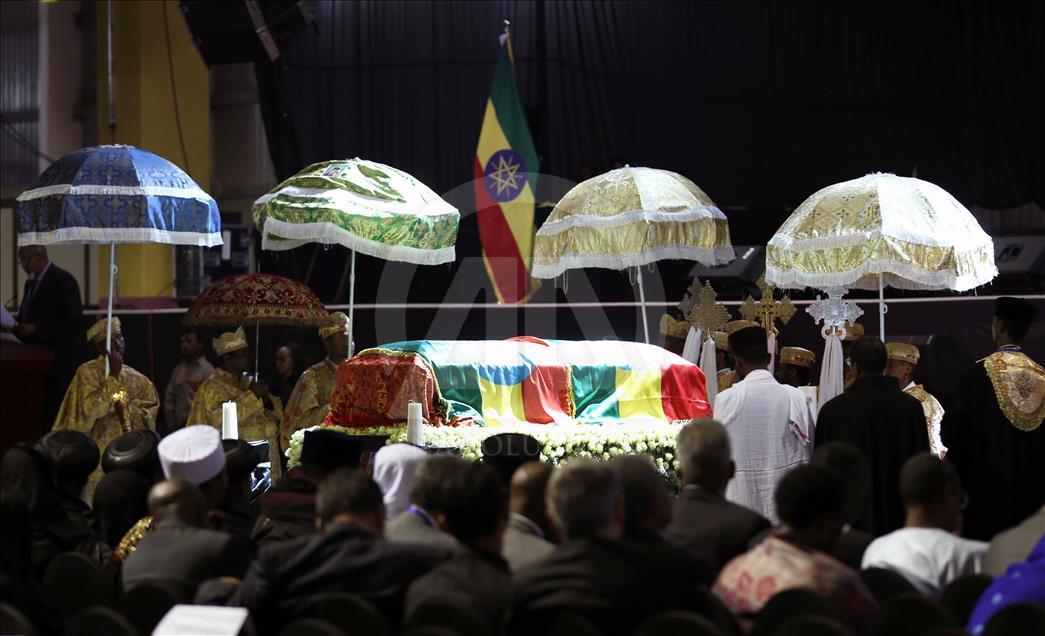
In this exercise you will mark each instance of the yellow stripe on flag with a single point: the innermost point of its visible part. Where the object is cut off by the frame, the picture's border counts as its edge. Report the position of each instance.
(638, 393)
(500, 402)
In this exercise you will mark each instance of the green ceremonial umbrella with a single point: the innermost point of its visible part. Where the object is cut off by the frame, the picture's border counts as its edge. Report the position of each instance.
(364, 205)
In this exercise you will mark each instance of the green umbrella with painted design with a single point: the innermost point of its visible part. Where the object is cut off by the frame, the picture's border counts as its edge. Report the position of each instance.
(366, 206)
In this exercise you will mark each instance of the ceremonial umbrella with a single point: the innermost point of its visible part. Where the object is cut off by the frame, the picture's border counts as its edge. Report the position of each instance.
(116, 194)
(261, 299)
(876, 231)
(364, 205)
(630, 217)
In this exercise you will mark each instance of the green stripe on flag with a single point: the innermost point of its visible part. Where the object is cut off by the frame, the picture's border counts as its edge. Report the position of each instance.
(593, 389)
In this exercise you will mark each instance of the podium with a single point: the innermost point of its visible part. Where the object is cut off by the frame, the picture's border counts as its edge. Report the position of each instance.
(23, 370)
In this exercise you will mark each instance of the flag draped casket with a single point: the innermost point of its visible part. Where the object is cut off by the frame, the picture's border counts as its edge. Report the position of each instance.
(518, 380)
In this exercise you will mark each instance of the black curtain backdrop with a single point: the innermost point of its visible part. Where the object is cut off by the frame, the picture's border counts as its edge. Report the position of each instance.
(760, 103)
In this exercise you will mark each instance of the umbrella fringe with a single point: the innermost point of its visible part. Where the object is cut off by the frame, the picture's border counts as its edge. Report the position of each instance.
(706, 255)
(280, 235)
(897, 274)
(103, 235)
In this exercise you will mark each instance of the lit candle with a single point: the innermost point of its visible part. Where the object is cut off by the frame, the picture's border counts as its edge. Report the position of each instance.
(415, 433)
(229, 424)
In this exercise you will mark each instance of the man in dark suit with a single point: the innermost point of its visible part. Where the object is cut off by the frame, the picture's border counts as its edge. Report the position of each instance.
(51, 315)
(288, 509)
(180, 552)
(347, 555)
(423, 521)
(615, 583)
(526, 538)
(477, 577)
(704, 521)
(885, 424)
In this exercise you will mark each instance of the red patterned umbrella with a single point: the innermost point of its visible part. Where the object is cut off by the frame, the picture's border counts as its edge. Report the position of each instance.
(257, 299)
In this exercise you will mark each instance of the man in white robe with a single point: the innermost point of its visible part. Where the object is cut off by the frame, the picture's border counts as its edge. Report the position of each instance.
(770, 425)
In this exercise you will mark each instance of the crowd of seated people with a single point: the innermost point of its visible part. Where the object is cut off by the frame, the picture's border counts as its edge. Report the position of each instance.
(429, 543)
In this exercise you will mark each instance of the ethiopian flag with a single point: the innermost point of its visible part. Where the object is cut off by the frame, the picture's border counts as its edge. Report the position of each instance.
(506, 171)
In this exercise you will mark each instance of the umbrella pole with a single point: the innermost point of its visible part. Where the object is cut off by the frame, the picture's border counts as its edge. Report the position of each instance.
(881, 309)
(351, 304)
(257, 347)
(112, 278)
(642, 301)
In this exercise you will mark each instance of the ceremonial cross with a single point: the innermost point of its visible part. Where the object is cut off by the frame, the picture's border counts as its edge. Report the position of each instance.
(690, 299)
(834, 312)
(766, 311)
(704, 313)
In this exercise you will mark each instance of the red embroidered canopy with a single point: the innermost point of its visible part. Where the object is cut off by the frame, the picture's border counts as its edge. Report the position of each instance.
(257, 299)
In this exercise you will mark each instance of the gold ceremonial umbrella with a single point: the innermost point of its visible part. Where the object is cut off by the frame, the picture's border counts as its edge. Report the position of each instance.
(871, 232)
(630, 217)
(881, 230)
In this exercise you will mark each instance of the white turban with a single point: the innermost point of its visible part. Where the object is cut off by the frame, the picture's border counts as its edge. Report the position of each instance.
(194, 452)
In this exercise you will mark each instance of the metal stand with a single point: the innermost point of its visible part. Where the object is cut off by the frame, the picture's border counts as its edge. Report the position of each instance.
(112, 279)
(881, 309)
(642, 301)
(352, 305)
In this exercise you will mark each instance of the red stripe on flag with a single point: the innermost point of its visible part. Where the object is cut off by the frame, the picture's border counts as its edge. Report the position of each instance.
(546, 395)
(503, 258)
(688, 386)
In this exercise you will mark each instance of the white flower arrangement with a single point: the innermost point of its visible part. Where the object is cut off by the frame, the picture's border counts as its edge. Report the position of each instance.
(559, 442)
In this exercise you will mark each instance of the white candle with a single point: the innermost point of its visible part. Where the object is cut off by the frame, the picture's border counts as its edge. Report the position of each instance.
(415, 433)
(229, 424)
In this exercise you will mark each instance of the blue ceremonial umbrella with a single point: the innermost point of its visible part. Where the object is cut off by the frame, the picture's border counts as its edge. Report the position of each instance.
(116, 194)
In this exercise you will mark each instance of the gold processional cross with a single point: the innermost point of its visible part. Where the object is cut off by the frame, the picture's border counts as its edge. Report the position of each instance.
(702, 311)
(766, 311)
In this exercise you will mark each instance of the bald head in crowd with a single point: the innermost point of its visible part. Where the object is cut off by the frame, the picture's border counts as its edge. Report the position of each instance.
(705, 455)
(177, 500)
(584, 500)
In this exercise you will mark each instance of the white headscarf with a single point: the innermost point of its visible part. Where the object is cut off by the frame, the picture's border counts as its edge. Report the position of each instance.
(394, 468)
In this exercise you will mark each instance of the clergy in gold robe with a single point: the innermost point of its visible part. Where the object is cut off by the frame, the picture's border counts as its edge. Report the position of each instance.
(310, 401)
(903, 358)
(231, 384)
(993, 427)
(106, 406)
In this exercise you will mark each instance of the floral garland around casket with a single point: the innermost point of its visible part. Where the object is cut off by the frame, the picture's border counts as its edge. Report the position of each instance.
(559, 442)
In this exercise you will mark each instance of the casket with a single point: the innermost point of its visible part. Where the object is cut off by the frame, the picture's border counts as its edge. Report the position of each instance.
(521, 380)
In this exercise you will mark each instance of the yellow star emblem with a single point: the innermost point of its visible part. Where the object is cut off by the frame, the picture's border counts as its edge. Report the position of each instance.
(505, 175)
